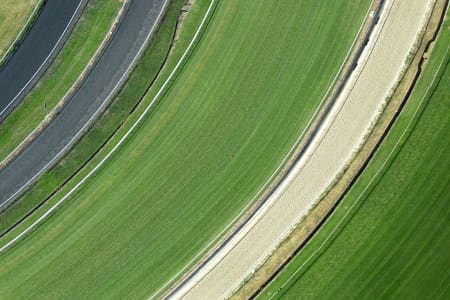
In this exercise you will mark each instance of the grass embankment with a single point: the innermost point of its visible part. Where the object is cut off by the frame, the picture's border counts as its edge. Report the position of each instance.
(87, 36)
(389, 237)
(15, 16)
(233, 112)
(135, 88)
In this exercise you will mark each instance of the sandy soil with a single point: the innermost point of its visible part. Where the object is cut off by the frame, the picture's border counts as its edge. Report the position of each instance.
(339, 137)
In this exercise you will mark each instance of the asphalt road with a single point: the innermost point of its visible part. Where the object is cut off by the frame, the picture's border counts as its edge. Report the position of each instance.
(97, 89)
(37, 51)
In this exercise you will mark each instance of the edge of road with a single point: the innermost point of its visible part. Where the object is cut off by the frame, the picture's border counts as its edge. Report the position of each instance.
(25, 29)
(299, 148)
(46, 63)
(90, 65)
(402, 91)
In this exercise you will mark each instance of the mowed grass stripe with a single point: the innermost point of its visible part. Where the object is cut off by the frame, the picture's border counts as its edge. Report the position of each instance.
(394, 241)
(84, 41)
(228, 119)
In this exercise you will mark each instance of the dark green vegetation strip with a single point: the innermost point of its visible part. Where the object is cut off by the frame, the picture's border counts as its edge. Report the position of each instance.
(226, 122)
(135, 88)
(389, 237)
(87, 36)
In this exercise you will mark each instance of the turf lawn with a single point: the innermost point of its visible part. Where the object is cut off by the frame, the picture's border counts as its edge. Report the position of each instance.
(87, 36)
(391, 235)
(226, 122)
(14, 15)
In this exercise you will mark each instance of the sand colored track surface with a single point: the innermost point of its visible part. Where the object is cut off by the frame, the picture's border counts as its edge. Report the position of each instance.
(338, 138)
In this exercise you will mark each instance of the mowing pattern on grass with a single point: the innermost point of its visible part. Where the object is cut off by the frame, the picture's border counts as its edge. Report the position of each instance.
(88, 34)
(389, 237)
(14, 15)
(233, 112)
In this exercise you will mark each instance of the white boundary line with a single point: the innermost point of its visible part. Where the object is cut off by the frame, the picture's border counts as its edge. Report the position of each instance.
(19, 36)
(46, 59)
(76, 84)
(367, 186)
(95, 115)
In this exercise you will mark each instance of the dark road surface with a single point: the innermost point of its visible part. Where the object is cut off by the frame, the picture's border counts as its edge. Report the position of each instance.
(101, 83)
(36, 52)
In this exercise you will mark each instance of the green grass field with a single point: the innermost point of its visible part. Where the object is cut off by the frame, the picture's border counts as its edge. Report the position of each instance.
(87, 36)
(392, 236)
(14, 15)
(226, 122)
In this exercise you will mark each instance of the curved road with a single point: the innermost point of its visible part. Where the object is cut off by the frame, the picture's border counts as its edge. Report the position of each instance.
(338, 137)
(36, 52)
(99, 86)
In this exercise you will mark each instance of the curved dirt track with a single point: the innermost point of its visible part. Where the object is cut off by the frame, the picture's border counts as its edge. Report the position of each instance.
(37, 51)
(99, 87)
(338, 138)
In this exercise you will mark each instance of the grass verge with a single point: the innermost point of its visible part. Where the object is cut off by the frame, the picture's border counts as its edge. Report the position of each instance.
(387, 238)
(227, 120)
(87, 36)
(16, 16)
